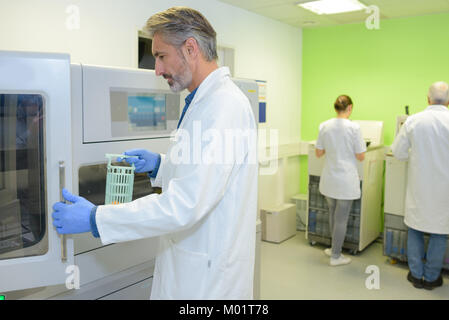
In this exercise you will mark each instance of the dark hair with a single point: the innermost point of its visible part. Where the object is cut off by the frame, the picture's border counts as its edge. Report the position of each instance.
(342, 103)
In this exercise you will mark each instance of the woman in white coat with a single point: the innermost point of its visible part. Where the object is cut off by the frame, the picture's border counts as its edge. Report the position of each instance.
(424, 141)
(340, 140)
(206, 213)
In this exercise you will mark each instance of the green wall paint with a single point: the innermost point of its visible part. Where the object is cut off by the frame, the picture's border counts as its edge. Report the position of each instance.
(381, 70)
(304, 180)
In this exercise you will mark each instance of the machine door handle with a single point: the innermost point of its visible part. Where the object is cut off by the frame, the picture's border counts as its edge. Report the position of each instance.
(61, 186)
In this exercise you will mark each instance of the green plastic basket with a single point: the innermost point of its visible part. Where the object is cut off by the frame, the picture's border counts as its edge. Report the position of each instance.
(119, 181)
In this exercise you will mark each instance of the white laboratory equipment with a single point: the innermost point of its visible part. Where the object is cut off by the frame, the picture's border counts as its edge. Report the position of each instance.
(395, 230)
(364, 223)
(57, 122)
(35, 162)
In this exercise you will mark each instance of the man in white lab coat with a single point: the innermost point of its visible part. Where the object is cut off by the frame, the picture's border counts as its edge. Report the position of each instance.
(423, 140)
(206, 213)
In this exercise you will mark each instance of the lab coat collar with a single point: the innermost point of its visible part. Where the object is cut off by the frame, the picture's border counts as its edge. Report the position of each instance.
(209, 81)
(437, 107)
(203, 89)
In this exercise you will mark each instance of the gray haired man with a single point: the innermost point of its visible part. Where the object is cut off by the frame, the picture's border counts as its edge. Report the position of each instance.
(424, 141)
(205, 217)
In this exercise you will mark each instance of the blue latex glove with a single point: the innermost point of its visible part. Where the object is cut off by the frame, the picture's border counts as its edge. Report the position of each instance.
(72, 218)
(146, 162)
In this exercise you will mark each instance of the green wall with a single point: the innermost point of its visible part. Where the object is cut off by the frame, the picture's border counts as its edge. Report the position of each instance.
(381, 70)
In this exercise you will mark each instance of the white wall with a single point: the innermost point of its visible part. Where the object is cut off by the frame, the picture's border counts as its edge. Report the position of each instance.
(264, 49)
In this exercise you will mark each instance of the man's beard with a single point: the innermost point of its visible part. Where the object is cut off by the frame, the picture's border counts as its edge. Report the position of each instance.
(180, 81)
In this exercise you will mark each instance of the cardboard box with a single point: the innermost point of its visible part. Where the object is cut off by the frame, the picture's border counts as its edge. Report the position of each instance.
(278, 224)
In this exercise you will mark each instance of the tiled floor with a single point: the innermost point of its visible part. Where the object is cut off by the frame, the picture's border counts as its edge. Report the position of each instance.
(295, 270)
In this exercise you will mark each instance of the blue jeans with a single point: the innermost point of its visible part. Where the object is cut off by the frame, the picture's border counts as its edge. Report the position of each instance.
(436, 249)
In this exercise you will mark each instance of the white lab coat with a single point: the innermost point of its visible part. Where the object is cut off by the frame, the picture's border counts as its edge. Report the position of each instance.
(206, 213)
(341, 139)
(424, 141)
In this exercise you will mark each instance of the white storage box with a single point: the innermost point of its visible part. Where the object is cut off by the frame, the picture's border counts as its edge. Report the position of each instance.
(279, 223)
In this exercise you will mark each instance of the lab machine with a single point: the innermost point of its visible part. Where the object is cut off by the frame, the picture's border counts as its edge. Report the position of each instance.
(364, 223)
(395, 230)
(58, 120)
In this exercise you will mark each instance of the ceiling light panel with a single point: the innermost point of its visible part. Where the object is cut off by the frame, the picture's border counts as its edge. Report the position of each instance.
(332, 6)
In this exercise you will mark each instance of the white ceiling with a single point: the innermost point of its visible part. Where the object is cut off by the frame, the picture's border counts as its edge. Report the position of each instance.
(288, 12)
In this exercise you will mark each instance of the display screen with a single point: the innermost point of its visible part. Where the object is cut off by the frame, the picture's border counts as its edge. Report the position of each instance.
(147, 112)
(143, 113)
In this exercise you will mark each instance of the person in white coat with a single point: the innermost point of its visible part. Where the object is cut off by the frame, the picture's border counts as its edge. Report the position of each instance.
(206, 213)
(342, 143)
(423, 140)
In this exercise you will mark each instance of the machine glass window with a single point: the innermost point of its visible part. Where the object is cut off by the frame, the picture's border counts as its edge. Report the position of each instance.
(22, 176)
(92, 184)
